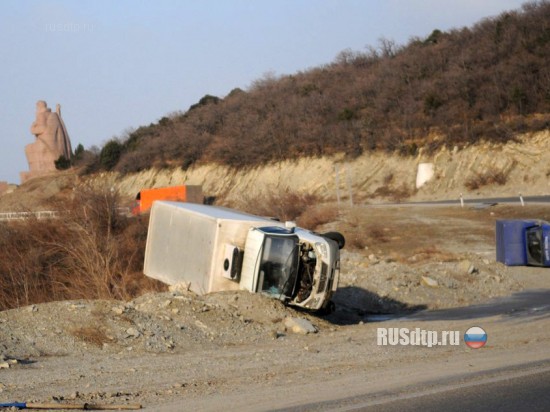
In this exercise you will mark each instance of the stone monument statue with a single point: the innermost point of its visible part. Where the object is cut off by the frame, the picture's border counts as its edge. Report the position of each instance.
(52, 142)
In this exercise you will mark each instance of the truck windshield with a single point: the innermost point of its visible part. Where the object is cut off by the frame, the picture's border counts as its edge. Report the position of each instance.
(534, 246)
(279, 265)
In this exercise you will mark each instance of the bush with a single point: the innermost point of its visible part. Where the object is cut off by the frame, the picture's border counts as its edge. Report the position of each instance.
(91, 252)
(279, 204)
(79, 151)
(459, 85)
(109, 155)
(315, 216)
(395, 194)
(62, 163)
(486, 178)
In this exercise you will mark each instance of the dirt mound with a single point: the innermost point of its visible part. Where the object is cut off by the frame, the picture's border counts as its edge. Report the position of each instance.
(154, 323)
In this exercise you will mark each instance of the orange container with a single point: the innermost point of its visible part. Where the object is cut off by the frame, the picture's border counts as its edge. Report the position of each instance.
(185, 193)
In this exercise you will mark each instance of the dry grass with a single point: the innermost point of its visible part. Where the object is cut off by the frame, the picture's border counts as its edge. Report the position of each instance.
(429, 254)
(366, 235)
(412, 235)
(395, 194)
(356, 241)
(280, 204)
(487, 178)
(90, 252)
(317, 215)
(91, 335)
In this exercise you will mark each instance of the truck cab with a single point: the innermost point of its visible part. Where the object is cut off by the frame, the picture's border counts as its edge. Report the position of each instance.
(537, 248)
(294, 265)
(523, 242)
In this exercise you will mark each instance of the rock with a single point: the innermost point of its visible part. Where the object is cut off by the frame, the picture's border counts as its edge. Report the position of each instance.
(133, 333)
(465, 266)
(4, 365)
(299, 326)
(180, 288)
(200, 324)
(118, 310)
(451, 284)
(429, 282)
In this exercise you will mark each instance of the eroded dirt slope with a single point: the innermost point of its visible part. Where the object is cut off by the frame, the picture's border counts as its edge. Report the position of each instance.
(477, 171)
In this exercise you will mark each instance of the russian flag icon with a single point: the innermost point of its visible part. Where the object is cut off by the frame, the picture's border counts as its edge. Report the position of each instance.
(475, 337)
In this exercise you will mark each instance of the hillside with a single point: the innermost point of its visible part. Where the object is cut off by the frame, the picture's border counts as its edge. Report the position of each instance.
(336, 148)
(487, 83)
(483, 170)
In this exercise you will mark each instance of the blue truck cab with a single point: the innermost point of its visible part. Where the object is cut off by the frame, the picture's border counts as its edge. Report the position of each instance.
(523, 242)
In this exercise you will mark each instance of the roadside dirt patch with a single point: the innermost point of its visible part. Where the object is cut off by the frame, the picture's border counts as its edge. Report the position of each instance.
(405, 258)
(184, 349)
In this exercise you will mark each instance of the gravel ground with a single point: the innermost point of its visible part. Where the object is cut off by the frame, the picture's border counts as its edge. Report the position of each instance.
(174, 350)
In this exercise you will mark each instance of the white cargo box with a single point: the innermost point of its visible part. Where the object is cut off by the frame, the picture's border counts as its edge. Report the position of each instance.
(197, 244)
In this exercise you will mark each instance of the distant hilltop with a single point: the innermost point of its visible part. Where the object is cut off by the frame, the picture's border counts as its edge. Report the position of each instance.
(486, 83)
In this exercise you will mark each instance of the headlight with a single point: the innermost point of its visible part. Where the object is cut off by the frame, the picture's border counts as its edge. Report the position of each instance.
(322, 249)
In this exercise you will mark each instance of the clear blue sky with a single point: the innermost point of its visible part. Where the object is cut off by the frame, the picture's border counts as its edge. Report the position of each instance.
(115, 65)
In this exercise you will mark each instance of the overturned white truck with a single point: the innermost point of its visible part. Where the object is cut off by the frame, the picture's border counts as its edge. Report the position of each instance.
(215, 249)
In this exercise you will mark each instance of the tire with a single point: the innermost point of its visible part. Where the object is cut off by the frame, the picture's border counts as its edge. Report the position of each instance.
(337, 237)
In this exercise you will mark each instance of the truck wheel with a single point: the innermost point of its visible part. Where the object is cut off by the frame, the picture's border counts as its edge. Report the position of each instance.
(337, 237)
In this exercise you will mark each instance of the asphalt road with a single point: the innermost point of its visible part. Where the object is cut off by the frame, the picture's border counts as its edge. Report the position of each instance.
(521, 305)
(513, 390)
(493, 200)
(520, 388)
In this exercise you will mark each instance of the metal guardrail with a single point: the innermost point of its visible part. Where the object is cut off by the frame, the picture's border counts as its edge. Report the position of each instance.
(46, 214)
(43, 214)
(124, 210)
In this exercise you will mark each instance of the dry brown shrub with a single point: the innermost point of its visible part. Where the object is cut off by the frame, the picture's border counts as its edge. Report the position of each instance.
(279, 204)
(91, 335)
(487, 178)
(356, 241)
(359, 235)
(316, 216)
(377, 234)
(429, 254)
(392, 193)
(89, 252)
(388, 179)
